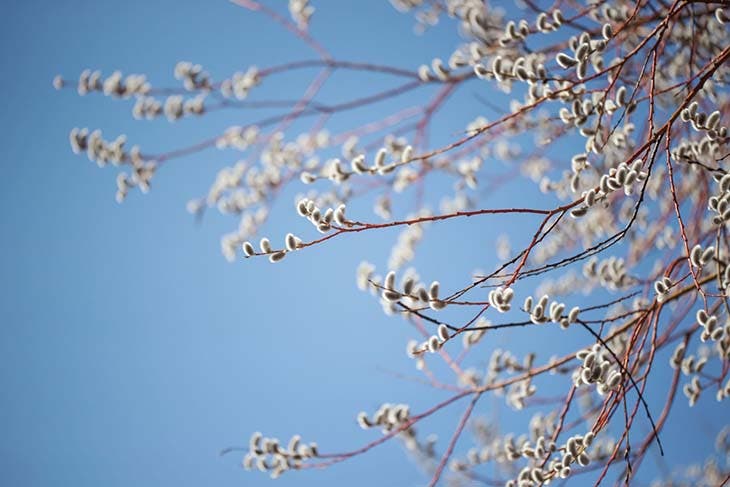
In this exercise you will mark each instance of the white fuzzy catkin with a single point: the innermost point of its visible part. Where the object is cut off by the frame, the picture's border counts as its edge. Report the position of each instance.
(265, 245)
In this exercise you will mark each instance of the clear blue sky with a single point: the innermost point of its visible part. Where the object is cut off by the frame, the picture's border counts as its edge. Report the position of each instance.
(131, 351)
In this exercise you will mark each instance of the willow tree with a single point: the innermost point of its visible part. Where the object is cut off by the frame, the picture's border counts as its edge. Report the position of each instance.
(617, 116)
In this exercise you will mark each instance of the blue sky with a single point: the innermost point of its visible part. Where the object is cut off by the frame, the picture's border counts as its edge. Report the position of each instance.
(132, 352)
